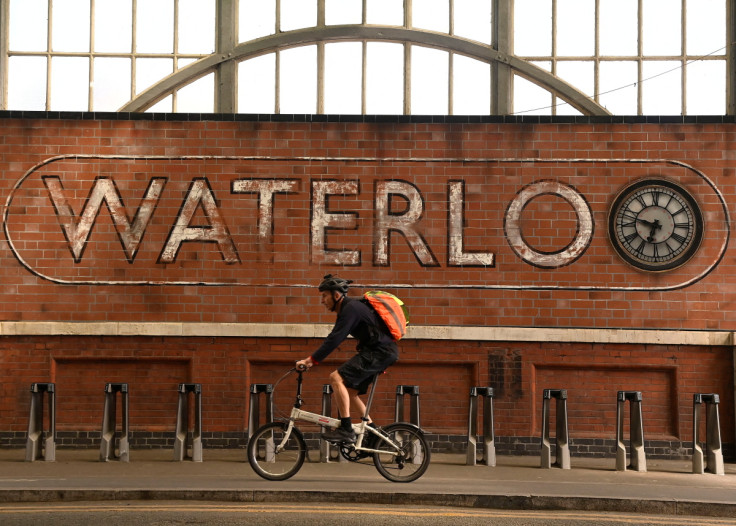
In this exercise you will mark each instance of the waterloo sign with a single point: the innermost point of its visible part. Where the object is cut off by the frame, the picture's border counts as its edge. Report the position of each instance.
(433, 223)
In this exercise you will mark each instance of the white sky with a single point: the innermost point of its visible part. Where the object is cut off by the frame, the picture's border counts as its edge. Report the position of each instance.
(116, 73)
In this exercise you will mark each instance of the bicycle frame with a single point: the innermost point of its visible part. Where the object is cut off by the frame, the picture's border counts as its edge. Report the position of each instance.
(299, 415)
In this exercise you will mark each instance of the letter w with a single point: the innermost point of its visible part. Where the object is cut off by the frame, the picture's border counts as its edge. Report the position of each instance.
(77, 231)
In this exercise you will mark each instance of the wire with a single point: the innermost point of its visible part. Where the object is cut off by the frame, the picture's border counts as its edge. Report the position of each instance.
(681, 66)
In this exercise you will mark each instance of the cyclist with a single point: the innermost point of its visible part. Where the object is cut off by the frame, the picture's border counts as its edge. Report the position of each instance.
(376, 351)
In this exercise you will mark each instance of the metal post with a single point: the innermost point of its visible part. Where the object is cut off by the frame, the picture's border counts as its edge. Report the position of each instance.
(638, 456)
(413, 391)
(324, 446)
(713, 452)
(181, 440)
(489, 438)
(563, 447)
(36, 435)
(254, 412)
(109, 433)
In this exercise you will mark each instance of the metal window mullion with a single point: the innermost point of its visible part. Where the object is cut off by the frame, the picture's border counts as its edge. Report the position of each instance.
(553, 57)
(364, 70)
(597, 51)
(730, 58)
(320, 77)
(321, 18)
(407, 58)
(174, 98)
(407, 78)
(640, 53)
(49, 33)
(451, 65)
(277, 72)
(133, 49)
(226, 73)
(277, 82)
(90, 90)
(4, 48)
(683, 52)
(450, 82)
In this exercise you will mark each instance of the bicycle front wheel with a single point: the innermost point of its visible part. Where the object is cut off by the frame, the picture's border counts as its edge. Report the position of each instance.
(272, 457)
(410, 461)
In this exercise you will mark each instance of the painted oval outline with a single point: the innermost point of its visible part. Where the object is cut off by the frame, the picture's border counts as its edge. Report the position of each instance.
(691, 281)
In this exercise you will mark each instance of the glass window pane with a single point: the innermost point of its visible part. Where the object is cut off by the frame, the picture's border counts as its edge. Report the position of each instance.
(343, 12)
(661, 27)
(385, 12)
(562, 107)
(257, 85)
(343, 77)
(196, 26)
(618, 87)
(27, 28)
(113, 26)
(661, 92)
(164, 106)
(706, 88)
(155, 26)
(197, 96)
(579, 74)
(575, 28)
(473, 20)
(471, 86)
(111, 88)
(618, 27)
(385, 78)
(148, 71)
(70, 30)
(296, 14)
(530, 99)
(533, 28)
(298, 80)
(431, 14)
(429, 81)
(256, 19)
(184, 62)
(27, 83)
(706, 27)
(69, 84)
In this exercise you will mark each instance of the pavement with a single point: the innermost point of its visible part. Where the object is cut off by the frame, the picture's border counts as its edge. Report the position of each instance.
(668, 487)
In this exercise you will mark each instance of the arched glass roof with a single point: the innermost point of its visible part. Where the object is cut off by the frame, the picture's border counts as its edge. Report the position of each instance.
(414, 57)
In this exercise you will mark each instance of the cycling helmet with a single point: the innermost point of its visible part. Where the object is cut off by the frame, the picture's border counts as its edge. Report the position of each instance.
(330, 282)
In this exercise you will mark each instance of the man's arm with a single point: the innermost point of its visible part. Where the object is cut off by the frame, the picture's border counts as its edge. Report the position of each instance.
(343, 325)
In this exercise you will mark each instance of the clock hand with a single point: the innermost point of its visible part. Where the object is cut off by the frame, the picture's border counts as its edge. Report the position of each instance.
(648, 223)
(655, 226)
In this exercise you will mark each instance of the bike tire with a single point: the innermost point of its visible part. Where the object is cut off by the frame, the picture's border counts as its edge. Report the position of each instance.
(414, 456)
(263, 458)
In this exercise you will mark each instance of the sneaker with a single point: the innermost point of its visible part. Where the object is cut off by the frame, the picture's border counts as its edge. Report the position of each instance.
(340, 436)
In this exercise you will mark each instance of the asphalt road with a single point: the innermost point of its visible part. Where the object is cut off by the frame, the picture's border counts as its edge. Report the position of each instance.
(169, 513)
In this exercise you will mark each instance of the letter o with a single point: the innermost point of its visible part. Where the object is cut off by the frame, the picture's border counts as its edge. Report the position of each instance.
(575, 249)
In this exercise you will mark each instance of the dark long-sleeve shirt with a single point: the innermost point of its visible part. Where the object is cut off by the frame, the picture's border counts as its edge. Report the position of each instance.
(359, 321)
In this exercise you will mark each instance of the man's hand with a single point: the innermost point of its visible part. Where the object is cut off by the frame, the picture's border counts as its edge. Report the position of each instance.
(306, 363)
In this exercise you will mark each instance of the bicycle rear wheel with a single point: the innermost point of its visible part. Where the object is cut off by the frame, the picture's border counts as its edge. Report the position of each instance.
(270, 463)
(413, 456)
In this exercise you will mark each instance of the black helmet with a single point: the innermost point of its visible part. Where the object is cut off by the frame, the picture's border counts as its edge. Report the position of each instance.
(330, 282)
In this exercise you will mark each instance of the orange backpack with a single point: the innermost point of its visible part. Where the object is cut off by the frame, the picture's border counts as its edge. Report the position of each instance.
(391, 310)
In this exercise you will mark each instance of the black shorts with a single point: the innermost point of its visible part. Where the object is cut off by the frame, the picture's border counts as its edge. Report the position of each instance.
(358, 372)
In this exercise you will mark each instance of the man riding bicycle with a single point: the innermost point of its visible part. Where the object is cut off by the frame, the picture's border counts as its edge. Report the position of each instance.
(376, 350)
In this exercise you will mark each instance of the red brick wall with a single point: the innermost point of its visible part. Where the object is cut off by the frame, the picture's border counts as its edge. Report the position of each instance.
(265, 276)
(80, 367)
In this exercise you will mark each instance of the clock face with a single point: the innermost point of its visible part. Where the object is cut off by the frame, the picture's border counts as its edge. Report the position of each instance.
(655, 225)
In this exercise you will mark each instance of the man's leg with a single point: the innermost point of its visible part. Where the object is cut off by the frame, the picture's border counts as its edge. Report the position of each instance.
(358, 406)
(342, 396)
(344, 433)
